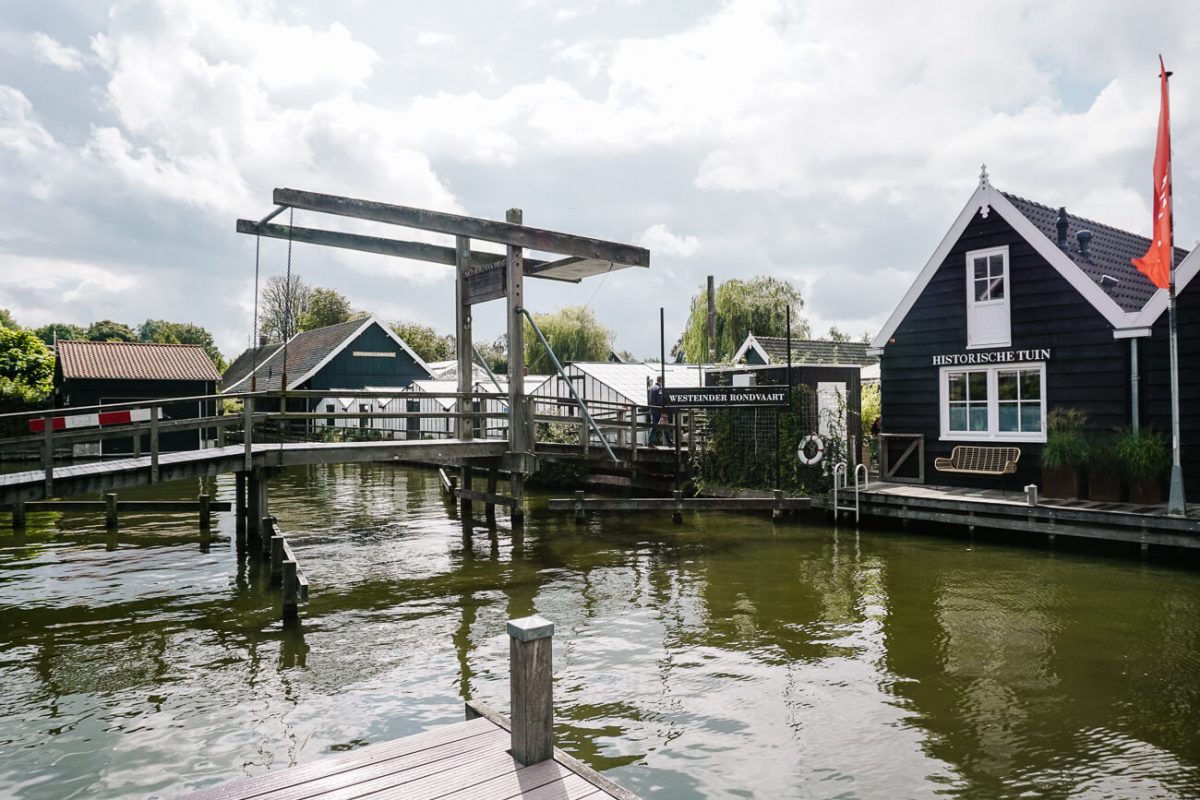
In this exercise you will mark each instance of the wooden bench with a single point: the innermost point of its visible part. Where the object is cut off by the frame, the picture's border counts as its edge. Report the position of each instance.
(980, 460)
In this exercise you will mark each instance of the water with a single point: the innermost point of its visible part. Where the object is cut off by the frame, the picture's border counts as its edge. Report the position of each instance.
(726, 657)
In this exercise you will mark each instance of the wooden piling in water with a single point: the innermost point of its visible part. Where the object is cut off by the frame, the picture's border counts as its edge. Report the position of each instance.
(240, 509)
(110, 511)
(254, 512)
(677, 513)
(18, 515)
(269, 530)
(579, 512)
(277, 559)
(291, 589)
(490, 506)
(205, 514)
(777, 511)
(531, 687)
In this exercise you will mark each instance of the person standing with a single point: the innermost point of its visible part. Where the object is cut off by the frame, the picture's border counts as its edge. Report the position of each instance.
(656, 410)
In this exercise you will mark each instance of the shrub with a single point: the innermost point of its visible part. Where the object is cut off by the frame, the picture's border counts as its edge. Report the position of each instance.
(1066, 445)
(1143, 455)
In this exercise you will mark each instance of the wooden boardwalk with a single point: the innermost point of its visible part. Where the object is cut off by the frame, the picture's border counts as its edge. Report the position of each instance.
(1005, 510)
(120, 473)
(464, 761)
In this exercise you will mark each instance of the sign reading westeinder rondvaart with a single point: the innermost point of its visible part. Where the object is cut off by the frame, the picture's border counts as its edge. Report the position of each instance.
(726, 397)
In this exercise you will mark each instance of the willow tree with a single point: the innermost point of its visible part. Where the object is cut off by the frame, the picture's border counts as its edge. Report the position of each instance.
(757, 306)
(573, 332)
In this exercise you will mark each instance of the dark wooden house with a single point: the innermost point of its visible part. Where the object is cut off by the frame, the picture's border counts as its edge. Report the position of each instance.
(104, 373)
(350, 355)
(1022, 309)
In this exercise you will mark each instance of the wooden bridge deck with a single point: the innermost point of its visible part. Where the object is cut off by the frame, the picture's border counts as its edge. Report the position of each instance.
(120, 473)
(456, 762)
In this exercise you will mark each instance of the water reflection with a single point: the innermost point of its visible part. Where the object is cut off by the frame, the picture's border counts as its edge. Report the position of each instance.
(725, 656)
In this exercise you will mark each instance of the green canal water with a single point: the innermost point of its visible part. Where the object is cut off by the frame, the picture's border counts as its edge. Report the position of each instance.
(725, 657)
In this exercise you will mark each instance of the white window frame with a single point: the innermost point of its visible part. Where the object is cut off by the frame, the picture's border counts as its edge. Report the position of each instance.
(972, 303)
(993, 433)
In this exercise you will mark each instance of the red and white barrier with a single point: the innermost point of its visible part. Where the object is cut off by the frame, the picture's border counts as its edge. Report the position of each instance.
(98, 420)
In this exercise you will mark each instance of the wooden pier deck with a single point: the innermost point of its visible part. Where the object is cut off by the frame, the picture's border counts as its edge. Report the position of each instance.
(456, 762)
(137, 471)
(1005, 510)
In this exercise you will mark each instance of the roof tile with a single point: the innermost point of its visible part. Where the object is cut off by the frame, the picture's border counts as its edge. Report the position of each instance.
(135, 361)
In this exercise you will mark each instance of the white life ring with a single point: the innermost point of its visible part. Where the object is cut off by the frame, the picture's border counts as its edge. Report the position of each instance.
(816, 457)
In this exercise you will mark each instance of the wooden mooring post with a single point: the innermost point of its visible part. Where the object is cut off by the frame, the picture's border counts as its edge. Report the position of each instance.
(110, 511)
(205, 513)
(18, 515)
(239, 491)
(490, 506)
(531, 687)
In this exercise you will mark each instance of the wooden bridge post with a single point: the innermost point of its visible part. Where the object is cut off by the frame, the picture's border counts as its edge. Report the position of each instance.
(579, 513)
(291, 590)
(464, 502)
(205, 514)
(255, 488)
(531, 687)
(247, 431)
(48, 455)
(492, 477)
(110, 511)
(677, 514)
(621, 428)
(239, 490)
(18, 515)
(155, 411)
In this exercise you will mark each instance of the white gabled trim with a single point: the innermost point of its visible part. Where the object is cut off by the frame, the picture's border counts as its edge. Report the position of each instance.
(751, 343)
(252, 372)
(1131, 333)
(1157, 304)
(368, 322)
(985, 199)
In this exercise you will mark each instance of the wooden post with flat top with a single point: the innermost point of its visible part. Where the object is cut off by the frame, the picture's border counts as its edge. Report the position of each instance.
(110, 511)
(530, 665)
(205, 514)
(239, 488)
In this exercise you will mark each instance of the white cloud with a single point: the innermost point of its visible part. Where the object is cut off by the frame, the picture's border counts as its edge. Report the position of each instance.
(20, 132)
(50, 51)
(434, 38)
(658, 239)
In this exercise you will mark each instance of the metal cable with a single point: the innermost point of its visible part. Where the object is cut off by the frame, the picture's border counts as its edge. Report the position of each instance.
(254, 334)
(287, 302)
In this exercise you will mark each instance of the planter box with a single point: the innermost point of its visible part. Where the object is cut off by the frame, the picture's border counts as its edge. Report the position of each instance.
(1062, 483)
(1147, 493)
(1104, 487)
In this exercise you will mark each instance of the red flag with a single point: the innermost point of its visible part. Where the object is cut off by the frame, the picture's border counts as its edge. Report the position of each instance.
(1160, 258)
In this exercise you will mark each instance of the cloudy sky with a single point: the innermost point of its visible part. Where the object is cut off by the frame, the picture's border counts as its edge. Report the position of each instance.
(829, 144)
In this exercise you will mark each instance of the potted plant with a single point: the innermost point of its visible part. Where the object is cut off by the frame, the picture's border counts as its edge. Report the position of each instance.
(1145, 462)
(1065, 453)
(1104, 470)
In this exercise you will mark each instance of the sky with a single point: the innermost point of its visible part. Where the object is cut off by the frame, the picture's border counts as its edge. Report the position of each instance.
(830, 144)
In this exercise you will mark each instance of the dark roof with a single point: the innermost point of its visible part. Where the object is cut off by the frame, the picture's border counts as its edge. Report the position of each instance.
(304, 351)
(1109, 253)
(135, 361)
(816, 351)
(242, 365)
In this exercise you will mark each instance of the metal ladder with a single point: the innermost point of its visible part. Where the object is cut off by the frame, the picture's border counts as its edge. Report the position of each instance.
(841, 481)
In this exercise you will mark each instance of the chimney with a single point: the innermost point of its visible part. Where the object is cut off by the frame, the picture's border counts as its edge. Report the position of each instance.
(1084, 238)
(262, 340)
(1062, 228)
(1108, 283)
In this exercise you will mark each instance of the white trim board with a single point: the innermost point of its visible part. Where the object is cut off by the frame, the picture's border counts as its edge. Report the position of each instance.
(983, 201)
(751, 342)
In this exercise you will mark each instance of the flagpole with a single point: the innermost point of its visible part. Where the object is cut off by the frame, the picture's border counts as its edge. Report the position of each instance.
(1176, 504)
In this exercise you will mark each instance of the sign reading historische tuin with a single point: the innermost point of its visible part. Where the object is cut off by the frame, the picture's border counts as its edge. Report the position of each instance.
(992, 357)
(726, 397)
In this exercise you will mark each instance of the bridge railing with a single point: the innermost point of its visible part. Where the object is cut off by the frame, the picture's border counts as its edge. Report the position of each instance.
(247, 418)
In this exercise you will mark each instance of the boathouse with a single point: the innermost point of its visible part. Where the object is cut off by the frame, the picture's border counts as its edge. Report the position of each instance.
(1022, 309)
(349, 355)
(773, 351)
(104, 373)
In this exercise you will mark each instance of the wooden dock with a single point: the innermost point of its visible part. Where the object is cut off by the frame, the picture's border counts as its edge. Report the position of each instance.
(777, 503)
(485, 758)
(1012, 511)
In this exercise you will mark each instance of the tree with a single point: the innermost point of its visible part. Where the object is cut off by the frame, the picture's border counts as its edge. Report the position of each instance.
(326, 307)
(26, 360)
(6, 319)
(574, 334)
(495, 354)
(757, 306)
(425, 341)
(281, 305)
(108, 331)
(160, 331)
(60, 331)
(836, 335)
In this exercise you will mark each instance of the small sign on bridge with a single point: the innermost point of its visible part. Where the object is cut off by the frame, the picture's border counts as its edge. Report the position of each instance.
(485, 281)
(726, 397)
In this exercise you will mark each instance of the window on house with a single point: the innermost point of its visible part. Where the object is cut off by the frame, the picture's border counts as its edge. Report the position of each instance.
(329, 409)
(1003, 403)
